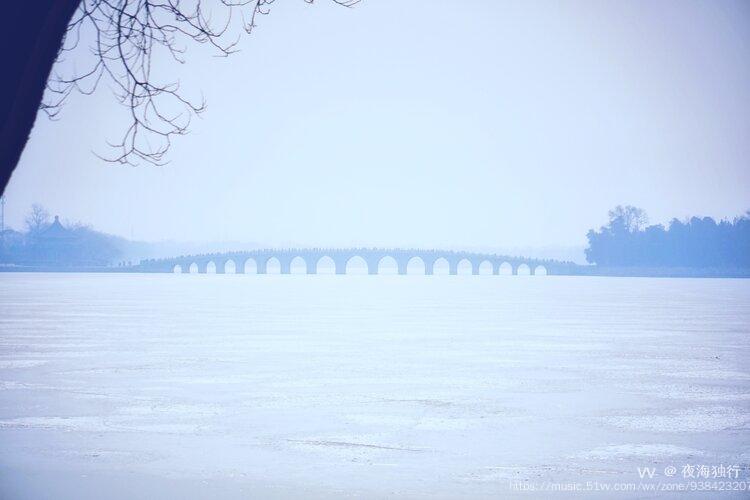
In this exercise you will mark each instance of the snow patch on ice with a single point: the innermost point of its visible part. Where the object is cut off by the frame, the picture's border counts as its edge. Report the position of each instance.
(716, 374)
(81, 424)
(20, 363)
(535, 472)
(632, 450)
(702, 419)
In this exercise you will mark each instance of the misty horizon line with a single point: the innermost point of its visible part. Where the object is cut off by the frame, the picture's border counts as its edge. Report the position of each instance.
(292, 244)
(67, 222)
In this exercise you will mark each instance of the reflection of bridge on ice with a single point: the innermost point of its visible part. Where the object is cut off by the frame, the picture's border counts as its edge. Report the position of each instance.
(341, 261)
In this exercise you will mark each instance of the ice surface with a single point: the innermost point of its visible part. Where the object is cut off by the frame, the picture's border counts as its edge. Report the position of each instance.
(237, 386)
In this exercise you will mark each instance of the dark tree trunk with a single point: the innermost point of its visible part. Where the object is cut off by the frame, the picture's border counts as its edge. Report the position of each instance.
(30, 39)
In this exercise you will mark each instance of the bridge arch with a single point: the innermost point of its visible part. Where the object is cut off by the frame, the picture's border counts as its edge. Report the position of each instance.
(540, 270)
(387, 265)
(210, 267)
(441, 266)
(505, 269)
(177, 269)
(250, 266)
(416, 265)
(356, 265)
(523, 270)
(298, 265)
(485, 267)
(193, 268)
(464, 266)
(325, 265)
(230, 267)
(273, 265)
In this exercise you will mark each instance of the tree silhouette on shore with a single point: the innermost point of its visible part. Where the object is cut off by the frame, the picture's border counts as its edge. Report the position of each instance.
(698, 242)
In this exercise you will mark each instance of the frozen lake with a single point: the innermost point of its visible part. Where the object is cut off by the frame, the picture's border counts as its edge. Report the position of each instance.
(238, 386)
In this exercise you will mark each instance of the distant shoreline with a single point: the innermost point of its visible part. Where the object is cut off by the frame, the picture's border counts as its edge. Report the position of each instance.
(662, 272)
(576, 270)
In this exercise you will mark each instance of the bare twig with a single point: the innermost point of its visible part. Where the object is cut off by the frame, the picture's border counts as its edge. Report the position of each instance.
(126, 34)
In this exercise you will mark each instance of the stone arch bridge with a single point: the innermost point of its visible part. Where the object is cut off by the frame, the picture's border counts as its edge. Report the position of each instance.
(259, 261)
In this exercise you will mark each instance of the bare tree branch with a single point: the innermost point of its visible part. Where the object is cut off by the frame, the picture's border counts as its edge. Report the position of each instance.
(126, 35)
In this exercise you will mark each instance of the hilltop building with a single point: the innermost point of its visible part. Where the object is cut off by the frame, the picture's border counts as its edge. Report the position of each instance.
(55, 245)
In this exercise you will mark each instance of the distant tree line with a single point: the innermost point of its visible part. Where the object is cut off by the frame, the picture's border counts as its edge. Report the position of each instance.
(698, 242)
(74, 245)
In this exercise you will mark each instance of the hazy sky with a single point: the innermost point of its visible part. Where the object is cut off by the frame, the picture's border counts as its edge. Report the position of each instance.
(428, 123)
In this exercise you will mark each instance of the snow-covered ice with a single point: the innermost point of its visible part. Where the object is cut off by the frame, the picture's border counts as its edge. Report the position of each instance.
(238, 386)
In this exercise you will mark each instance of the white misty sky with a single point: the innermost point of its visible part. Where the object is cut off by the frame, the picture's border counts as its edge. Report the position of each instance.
(427, 123)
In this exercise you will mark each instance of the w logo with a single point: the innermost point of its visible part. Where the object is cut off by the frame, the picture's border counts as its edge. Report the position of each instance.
(646, 471)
